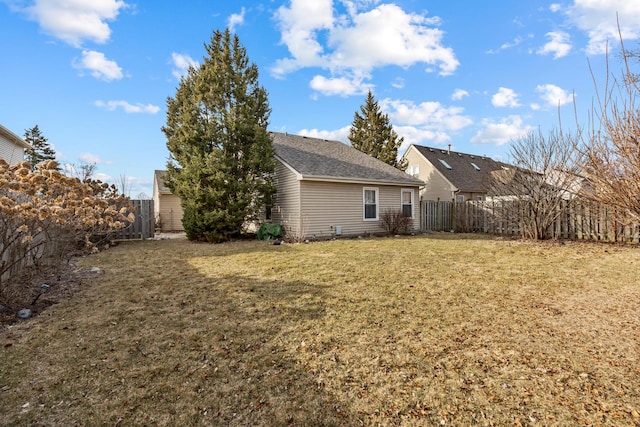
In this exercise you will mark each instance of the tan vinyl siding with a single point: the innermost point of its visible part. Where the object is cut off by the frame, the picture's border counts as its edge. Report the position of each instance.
(438, 187)
(286, 209)
(326, 205)
(170, 213)
(10, 151)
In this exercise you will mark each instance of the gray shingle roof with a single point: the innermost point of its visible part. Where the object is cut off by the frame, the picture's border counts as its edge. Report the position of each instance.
(160, 176)
(462, 174)
(320, 159)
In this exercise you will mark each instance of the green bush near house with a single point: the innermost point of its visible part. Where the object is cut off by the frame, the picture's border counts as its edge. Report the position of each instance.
(269, 231)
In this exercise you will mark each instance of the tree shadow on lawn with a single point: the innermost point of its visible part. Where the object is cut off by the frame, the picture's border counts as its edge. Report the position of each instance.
(186, 350)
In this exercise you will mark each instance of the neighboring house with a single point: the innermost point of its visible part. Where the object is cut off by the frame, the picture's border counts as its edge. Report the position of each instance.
(571, 185)
(167, 208)
(325, 189)
(12, 147)
(450, 175)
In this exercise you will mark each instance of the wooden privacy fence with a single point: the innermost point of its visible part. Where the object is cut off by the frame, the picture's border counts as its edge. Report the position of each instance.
(578, 220)
(143, 225)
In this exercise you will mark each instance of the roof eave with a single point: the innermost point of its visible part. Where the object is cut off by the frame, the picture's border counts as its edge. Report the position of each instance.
(14, 138)
(347, 180)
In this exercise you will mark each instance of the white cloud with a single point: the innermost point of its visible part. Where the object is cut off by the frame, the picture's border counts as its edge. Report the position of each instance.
(416, 123)
(427, 121)
(416, 135)
(342, 86)
(458, 94)
(236, 19)
(341, 134)
(76, 20)
(90, 158)
(430, 114)
(559, 44)
(127, 107)
(554, 95)
(99, 66)
(598, 18)
(505, 97)
(359, 41)
(387, 35)
(507, 45)
(298, 26)
(398, 83)
(501, 132)
(181, 63)
(555, 7)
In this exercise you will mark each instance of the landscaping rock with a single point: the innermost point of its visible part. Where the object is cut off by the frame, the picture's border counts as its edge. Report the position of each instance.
(96, 270)
(25, 313)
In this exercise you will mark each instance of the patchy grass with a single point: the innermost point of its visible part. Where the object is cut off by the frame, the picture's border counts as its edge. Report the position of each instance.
(444, 329)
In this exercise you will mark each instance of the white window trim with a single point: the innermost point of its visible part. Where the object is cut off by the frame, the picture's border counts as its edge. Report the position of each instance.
(413, 170)
(377, 193)
(408, 190)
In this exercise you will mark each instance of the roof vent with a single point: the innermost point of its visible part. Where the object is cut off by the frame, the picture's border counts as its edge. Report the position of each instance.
(472, 156)
(431, 149)
(476, 167)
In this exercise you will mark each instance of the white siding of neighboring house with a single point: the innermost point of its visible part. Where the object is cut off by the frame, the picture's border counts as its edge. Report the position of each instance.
(167, 209)
(170, 213)
(437, 186)
(9, 151)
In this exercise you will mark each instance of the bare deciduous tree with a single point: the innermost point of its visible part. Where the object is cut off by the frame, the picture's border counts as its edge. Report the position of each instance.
(611, 147)
(123, 184)
(534, 187)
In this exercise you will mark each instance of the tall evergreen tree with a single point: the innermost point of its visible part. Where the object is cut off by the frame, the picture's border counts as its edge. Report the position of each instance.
(372, 133)
(40, 150)
(221, 161)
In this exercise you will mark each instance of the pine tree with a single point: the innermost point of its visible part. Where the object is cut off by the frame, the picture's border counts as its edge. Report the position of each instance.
(40, 150)
(221, 161)
(373, 134)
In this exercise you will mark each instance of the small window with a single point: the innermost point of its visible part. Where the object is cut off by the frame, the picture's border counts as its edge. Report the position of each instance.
(370, 203)
(413, 170)
(407, 203)
(479, 198)
(460, 198)
(476, 167)
(445, 164)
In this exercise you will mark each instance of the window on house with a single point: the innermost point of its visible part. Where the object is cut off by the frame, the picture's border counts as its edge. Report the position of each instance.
(460, 198)
(407, 203)
(370, 203)
(476, 167)
(445, 164)
(479, 198)
(413, 170)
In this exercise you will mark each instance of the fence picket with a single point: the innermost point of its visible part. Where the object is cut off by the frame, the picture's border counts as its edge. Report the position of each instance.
(143, 225)
(581, 220)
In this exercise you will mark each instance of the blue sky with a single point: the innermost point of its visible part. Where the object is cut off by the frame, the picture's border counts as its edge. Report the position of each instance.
(94, 75)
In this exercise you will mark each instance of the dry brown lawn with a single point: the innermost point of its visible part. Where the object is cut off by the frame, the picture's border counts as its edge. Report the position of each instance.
(429, 330)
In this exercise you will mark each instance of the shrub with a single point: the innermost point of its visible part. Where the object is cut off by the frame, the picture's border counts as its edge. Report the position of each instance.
(395, 222)
(46, 218)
